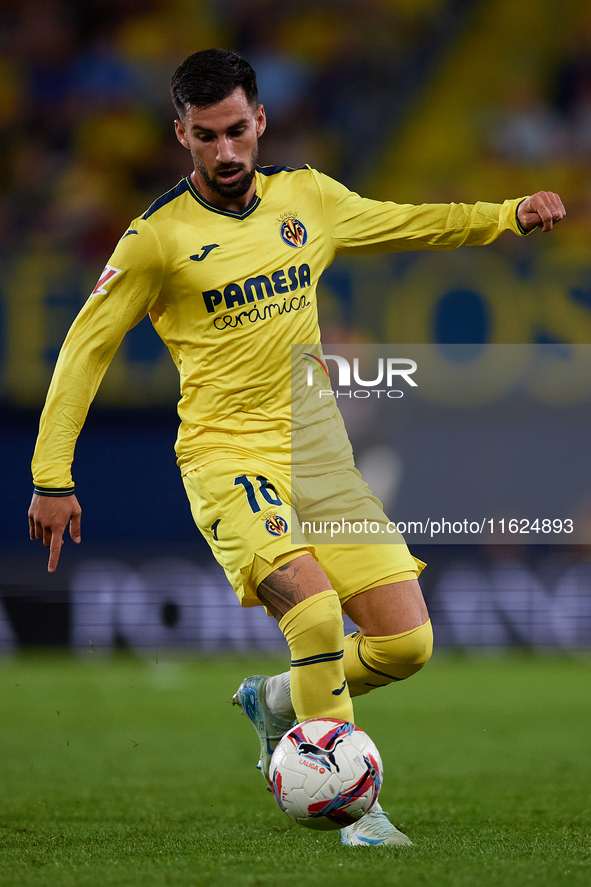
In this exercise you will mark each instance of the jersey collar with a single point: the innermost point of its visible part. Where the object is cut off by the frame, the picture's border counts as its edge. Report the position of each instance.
(233, 214)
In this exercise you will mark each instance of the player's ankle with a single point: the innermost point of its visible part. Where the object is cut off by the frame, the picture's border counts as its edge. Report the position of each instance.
(277, 696)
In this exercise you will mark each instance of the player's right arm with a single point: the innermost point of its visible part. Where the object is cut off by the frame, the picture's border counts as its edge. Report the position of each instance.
(127, 289)
(48, 518)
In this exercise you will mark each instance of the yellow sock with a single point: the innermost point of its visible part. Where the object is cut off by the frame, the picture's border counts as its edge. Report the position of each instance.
(314, 631)
(376, 662)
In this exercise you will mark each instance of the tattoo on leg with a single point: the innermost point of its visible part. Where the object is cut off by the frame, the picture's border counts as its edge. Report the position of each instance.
(290, 584)
(282, 592)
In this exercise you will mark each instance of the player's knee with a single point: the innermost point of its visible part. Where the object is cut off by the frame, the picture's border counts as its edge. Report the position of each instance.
(400, 655)
(412, 650)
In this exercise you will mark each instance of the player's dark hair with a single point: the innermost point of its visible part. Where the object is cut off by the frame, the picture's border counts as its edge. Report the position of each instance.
(209, 77)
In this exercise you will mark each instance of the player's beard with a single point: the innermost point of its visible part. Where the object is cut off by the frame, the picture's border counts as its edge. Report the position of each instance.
(236, 189)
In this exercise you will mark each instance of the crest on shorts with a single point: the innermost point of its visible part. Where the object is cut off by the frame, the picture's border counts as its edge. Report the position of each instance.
(293, 232)
(275, 524)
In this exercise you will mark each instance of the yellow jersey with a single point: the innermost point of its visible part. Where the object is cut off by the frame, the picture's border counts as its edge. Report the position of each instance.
(229, 293)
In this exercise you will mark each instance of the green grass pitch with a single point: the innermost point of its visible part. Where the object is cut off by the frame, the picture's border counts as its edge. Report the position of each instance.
(139, 772)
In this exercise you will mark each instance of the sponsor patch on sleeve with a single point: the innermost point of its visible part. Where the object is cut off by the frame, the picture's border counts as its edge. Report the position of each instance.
(109, 273)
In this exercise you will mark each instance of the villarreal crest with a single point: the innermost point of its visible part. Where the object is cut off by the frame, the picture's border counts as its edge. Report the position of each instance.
(276, 525)
(293, 233)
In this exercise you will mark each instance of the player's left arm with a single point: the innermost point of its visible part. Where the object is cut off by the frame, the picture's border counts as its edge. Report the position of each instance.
(541, 210)
(360, 225)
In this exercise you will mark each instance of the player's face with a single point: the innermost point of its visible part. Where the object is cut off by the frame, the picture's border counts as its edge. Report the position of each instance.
(223, 141)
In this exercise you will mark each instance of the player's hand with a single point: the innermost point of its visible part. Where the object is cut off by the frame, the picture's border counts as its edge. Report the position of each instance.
(541, 210)
(48, 518)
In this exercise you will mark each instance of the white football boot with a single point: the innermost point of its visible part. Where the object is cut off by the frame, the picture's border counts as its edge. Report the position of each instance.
(374, 830)
(270, 727)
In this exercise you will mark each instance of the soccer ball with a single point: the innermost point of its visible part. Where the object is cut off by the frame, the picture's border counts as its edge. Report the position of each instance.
(325, 773)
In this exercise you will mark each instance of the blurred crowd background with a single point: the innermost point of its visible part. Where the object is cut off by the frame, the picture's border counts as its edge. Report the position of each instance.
(86, 115)
(408, 100)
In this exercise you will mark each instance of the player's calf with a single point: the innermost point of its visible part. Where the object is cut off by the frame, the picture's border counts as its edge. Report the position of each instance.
(309, 614)
(314, 631)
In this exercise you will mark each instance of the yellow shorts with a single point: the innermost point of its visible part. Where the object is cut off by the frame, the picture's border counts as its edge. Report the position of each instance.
(254, 522)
